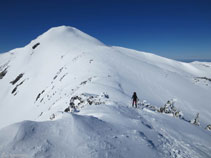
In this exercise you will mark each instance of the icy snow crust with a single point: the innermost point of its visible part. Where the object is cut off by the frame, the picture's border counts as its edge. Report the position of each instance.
(38, 81)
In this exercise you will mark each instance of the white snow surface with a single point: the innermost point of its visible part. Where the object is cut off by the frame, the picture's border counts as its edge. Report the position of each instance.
(67, 62)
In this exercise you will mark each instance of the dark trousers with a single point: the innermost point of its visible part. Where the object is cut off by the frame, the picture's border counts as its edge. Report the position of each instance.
(134, 104)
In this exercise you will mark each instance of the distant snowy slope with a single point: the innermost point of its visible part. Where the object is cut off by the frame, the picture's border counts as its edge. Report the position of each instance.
(66, 68)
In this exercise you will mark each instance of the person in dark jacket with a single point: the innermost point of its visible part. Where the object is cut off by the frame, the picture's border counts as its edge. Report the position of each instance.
(135, 100)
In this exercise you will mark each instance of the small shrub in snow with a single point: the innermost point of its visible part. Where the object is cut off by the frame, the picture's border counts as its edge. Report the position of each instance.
(208, 127)
(79, 101)
(52, 116)
(169, 108)
(104, 95)
(147, 105)
(196, 120)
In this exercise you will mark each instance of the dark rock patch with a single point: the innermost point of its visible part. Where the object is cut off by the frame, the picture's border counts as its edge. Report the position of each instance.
(3, 73)
(35, 46)
(83, 83)
(38, 96)
(63, 77)
(17, 79)
(55, 77)
(204, 78)
(41, 100)
(67, 109)
(197, 79)
(41, 113)
(16, 87)
(52, 116)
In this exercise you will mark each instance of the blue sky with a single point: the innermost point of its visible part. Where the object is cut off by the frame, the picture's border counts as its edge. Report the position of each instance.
(178, 29)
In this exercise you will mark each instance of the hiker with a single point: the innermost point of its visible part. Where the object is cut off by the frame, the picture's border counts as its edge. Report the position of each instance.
(135, 100)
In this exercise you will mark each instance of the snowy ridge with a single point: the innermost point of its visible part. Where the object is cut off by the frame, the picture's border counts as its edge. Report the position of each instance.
(66, 69)
(108, 131)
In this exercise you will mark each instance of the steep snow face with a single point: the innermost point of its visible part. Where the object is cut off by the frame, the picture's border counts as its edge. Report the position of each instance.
(38, 81)
(56, 54)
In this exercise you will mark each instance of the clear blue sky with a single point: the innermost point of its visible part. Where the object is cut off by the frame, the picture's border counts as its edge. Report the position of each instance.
(178, 29)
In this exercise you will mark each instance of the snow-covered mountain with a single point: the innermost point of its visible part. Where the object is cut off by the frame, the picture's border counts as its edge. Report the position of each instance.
(65, 69)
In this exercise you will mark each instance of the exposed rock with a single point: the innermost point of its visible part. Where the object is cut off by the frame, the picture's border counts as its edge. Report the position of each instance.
(38, 96)
(17, 79)
(14, 90)
(34, 46)
(41, 114)
(67, 109)
(3, 73)
(204, 78)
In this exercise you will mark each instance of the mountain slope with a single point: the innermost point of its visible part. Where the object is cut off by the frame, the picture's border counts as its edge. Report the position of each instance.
(38, 81)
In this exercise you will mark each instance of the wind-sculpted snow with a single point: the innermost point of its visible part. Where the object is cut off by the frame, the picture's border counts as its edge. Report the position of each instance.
(65, 69)
(106, 131)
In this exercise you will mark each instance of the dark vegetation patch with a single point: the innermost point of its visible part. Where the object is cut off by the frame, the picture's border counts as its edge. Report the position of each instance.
(17, 79)
(16, 87)
(38, 96)
(204, 78)
(3, 73)
(35, 46)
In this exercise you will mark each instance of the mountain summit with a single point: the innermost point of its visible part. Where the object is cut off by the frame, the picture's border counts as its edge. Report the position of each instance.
(66, 35)
(76, 93)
